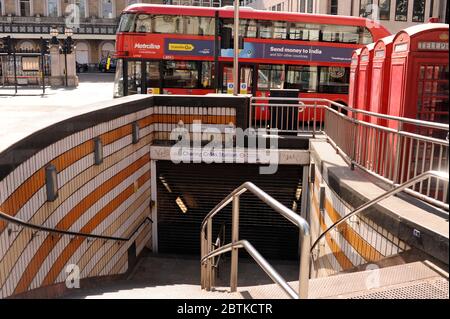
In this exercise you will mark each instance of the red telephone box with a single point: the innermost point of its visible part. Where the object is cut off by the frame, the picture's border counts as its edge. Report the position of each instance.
(364, 79)
(353, 87)
(379, 91)
(379, 96)
(419, 88)
(419, 73)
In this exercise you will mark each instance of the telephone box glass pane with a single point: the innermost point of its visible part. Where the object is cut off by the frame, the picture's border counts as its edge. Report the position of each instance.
(433, 90)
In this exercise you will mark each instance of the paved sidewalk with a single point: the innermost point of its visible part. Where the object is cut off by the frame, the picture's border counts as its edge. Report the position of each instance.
(30, 111)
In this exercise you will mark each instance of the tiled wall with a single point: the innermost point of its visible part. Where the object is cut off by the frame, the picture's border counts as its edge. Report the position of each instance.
(111, 199)
(359, 241)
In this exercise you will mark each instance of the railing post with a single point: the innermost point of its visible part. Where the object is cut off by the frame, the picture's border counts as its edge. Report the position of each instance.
(209, 250)
(315, 119)
(250, 113)
(204, 266)
(397, 154)
(305, 246)
(202, 254)
(355, 135)
(234, 239)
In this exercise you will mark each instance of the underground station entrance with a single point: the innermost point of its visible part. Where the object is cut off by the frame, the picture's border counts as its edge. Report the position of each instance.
(186, 193)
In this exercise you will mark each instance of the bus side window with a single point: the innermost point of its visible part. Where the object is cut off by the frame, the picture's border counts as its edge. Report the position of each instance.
(134, 77)
(270, 76)
(180, 74)
(334, 79)
(302, 77)
(153, 79)
(207, 78)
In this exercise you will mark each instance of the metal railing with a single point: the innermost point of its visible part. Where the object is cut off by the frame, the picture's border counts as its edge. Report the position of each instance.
(28, 27)
(19, 222)
(393, 149)
(417, 179)
(220, 240)
(208, 252)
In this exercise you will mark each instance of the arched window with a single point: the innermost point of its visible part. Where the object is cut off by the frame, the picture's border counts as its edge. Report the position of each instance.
(107, 49)
(82, 53)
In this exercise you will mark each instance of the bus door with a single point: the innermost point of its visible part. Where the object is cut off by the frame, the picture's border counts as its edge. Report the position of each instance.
(247, 82)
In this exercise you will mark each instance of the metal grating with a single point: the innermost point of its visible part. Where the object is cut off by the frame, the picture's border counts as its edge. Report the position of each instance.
(202, 186)
(366, 284)
(430, 289)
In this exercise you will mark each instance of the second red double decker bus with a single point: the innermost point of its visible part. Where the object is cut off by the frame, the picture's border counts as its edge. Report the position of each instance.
(179, 50)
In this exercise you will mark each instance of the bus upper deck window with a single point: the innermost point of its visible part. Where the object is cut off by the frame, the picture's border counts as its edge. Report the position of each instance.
(166, 24)
(304, 32)
(127, 22)
(248, 28)
(340, 33)
(266, 29)
(279, 30)
(365, 36)
(143, 23)
(191, 25)
(207, 26)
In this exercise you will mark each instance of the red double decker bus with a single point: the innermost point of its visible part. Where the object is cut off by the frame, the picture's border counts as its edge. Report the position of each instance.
(180, 50)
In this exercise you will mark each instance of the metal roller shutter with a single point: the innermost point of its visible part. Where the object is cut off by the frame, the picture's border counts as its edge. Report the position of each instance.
(199, 187)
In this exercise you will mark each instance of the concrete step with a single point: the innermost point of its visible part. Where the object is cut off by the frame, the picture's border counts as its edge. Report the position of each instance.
(175, 278)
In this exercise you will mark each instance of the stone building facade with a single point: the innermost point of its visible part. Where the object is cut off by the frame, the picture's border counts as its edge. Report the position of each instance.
(395, 15)
(94, 23)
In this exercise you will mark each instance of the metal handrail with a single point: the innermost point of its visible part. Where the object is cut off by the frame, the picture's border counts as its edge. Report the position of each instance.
(395, 190)
(219, 243)
(206, 236)
(262, 262)
(22, 223)
(350, 109)
(372, 158)
(267, 199)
